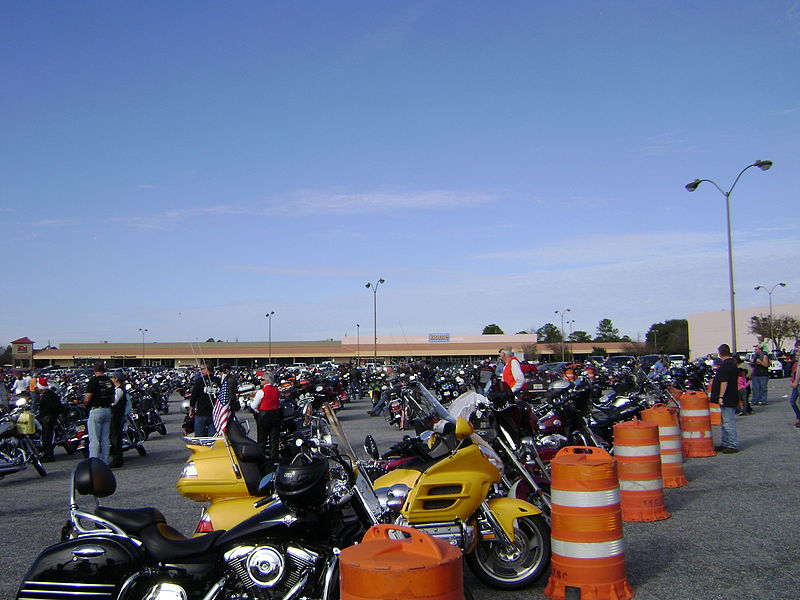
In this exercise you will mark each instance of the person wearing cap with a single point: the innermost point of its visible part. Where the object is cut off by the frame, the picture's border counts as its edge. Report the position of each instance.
(267, 404)
(49, 410)
(118, 416)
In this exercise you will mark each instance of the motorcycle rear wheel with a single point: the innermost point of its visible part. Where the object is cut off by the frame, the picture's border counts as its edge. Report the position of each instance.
(516, 566)
(141, 450)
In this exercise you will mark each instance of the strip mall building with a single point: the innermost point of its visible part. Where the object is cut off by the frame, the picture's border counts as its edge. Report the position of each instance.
(437, 348)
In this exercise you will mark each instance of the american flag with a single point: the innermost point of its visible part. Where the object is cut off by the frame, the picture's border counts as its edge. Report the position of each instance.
(222, 410)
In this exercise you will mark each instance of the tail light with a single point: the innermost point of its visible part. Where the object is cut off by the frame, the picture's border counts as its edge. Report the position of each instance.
(204, 525)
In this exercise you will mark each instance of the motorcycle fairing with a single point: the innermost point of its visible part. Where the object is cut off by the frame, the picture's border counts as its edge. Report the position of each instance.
(508, 510)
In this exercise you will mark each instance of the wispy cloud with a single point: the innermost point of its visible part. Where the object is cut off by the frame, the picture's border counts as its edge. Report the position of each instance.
(308, 202)
(669, 143)
(297, 271)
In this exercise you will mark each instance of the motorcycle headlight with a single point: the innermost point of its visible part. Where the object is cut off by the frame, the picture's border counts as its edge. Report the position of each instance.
(189, 470)
(318, 388)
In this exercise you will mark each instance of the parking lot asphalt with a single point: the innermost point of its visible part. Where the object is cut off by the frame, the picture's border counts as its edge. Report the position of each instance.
(733, 533)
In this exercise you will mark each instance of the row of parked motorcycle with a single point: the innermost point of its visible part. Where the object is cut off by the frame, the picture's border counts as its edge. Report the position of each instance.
(22, 442)
(475, 473)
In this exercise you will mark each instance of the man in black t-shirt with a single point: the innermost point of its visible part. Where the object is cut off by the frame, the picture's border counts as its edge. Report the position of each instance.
(98, 400)
(724, 389)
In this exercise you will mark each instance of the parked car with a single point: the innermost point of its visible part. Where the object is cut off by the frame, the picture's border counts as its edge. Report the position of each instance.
(648, 360)
(677, 360)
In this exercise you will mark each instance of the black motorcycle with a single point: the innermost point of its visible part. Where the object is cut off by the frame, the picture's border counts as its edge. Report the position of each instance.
(289, 550)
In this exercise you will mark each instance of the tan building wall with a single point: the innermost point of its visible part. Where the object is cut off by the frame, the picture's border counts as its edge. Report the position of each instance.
(708, 330)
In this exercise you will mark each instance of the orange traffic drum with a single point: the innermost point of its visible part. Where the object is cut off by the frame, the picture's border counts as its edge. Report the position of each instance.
(383, 567)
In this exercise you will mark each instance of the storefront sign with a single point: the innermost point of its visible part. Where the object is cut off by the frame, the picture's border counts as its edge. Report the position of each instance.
(438, 338)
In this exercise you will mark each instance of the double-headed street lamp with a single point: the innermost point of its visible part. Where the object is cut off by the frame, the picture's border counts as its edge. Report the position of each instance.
(771, 325)
(269, 336)
(358, 343)
(764, 165)
(142, 331)
(374, 287)
(562, 313)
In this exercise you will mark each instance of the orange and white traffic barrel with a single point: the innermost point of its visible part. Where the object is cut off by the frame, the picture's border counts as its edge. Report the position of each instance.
(669, 438)
(382, 567)
(695, 418)
(715, 412)
(638, 454)
(588, 558)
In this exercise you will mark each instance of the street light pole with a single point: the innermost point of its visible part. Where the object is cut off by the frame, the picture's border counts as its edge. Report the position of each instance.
(358, 344)
(143, 331)
(571, 341)
(269, 336)
(771, 323)
(375, 311)
(562, 313)
(764, 165)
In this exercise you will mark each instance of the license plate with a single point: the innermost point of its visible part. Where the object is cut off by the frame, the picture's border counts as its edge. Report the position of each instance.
(537, 386)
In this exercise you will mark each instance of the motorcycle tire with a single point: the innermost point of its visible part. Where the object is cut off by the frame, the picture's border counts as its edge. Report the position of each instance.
(37, 464)
(141, 450)
(162, 429)
(70, 447)
(516, 566)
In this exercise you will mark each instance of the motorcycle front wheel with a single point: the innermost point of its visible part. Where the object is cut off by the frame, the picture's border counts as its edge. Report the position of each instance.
(518, 565)
(35, 459)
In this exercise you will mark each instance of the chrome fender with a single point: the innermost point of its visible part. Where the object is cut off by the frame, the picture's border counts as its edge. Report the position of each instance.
(507, 510)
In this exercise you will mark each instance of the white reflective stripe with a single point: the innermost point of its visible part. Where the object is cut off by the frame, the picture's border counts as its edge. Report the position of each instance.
(586, 550)
(671, 430)
(694, 412)
(696, 434)
(647, 485)
(669, 445)
(585, 499)
(654, 450)
(671, 458)
(714, 407)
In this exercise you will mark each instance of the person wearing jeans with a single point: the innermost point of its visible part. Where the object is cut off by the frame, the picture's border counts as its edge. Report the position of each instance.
(724, 389)
(794, 397)
(98, 400)
(760, 377)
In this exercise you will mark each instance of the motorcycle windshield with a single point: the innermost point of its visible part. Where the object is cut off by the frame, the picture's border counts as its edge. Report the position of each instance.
(429, 406)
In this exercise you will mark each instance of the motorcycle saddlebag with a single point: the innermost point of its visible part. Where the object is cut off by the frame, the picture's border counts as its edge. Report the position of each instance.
(26, 423)
(86, 567)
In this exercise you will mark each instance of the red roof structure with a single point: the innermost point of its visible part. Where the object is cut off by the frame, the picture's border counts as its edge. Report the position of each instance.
(23, 340)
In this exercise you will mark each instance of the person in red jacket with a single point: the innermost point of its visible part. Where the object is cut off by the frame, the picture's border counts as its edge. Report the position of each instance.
(267, 403)
(513, 376)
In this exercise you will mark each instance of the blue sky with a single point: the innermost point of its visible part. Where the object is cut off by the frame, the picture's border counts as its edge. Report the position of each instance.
(186, 166)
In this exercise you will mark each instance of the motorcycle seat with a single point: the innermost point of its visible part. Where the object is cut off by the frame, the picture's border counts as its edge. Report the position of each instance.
(166, 544)
(131, 520)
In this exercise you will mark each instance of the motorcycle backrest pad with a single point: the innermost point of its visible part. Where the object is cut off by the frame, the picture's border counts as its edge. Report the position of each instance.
(93, 477)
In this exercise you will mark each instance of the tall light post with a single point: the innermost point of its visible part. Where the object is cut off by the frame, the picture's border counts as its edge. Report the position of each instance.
(771, 324)
(562, 313)
(374, 287)
(358, 344)
(571, 322)
(764, 165)
(269, 336)
(142, 331)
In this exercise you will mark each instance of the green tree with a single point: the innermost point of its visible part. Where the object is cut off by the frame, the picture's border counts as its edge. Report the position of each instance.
(492, 329)
(781, 328)
(599, 351)
(669, 337)
(579, 336)
(5, 356)
(606, 332)
(549, 333)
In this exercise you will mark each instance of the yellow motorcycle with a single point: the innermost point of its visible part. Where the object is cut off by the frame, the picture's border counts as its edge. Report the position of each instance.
(459, 498)
(232, 474)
